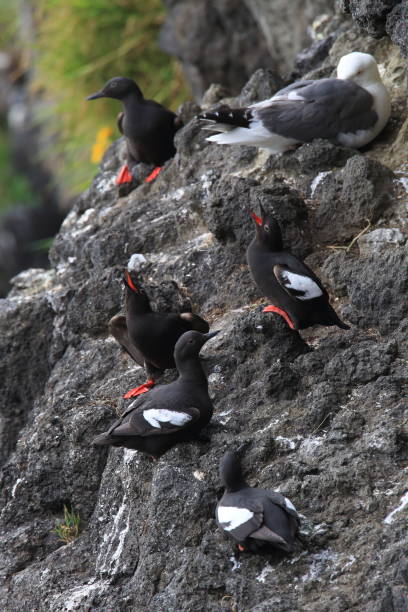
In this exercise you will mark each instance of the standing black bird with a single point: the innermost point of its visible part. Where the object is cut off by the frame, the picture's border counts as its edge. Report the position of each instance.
(254, 517)
(295, 291)
(170, 413)
(148, 127)
(150, 337)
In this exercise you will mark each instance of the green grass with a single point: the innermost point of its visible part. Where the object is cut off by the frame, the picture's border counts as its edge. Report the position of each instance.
(8, 22)
(80, 45)
(68, 529)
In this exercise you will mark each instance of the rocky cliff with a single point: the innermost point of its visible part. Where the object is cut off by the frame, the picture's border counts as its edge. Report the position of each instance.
(323, 413)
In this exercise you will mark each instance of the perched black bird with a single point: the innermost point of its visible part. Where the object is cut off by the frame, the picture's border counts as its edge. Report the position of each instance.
(148, 127)
(294, 290)
(254, 517)
(150, 337)
(170, 413)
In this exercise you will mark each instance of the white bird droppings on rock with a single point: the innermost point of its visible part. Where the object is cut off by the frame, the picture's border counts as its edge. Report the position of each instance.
(391, 516)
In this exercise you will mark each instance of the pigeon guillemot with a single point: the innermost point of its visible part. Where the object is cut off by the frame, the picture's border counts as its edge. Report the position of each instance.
(148, 127)
(150, 337)
(170, 413)
(349, 110)
(294, 290)
(254, 517)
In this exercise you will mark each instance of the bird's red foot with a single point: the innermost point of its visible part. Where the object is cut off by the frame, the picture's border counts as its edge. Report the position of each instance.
(139, 390)
(282, 313)
(124, 175)
(153, 174)
(241, 548)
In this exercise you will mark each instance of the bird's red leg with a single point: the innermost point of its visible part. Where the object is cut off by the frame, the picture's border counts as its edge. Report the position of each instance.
(282, 313)
(138, 390)
(124, 176)
(153, 174)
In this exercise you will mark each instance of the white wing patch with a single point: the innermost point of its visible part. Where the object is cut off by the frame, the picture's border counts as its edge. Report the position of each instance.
(298, 282)
(294, 95)
(231, 517)
(289, 504)
(156, 416)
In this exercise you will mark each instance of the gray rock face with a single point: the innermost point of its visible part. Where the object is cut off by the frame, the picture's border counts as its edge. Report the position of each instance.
(225, 41)
(207, 35)
(351, 198)
(370, 14)
(323, 414)
(397, 26)
(380, 239)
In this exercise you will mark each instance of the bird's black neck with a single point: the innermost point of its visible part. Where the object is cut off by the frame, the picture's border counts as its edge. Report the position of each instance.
(191, 370)
(231, 473)
(137, 304)
(132, 99)
(235, 483)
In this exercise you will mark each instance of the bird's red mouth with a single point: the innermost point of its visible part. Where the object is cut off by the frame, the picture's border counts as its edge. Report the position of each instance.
(129, 281)
(255, 217)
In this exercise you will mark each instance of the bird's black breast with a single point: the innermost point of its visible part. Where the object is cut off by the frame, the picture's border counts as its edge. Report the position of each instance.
(150, 131)
(155, 335)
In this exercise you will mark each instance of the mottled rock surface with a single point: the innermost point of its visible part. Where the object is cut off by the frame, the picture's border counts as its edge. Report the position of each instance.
(225, 41)
(323, 414)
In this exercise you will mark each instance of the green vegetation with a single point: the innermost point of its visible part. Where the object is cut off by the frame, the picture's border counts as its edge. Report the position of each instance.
(8, 22)
(68, 530)
(80, 45)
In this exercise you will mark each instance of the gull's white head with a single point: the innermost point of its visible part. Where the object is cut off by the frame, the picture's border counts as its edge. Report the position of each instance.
(361, 68)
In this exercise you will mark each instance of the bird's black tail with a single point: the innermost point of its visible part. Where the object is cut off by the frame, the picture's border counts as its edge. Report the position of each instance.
(236, 117)
(104, 439)
(333, 319)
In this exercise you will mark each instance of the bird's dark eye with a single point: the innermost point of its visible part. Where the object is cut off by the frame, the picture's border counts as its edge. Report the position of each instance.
(266, 228)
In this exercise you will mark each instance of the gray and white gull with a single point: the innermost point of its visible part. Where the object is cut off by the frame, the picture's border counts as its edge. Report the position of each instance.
(350, 110)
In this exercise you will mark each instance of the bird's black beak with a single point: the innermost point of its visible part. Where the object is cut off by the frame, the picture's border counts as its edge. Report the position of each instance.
(98, 94)
(210, 335)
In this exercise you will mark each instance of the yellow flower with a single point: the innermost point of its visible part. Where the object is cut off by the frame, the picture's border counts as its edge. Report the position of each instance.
(101, 144)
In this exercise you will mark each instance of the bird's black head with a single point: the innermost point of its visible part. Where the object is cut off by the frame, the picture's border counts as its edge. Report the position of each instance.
(135, 293)
(189, 345)
(268, 232)
(118, 88)
(231, 471)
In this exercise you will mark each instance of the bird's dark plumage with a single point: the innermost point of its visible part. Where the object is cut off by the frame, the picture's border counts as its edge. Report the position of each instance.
(254, 517)
(150, 337)
(148, 127)
(294, 290)
(171, 413)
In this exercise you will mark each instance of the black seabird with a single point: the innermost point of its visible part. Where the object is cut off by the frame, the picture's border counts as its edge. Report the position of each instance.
(150, 337)
(349, 110)
(171, 413)
(148, 127)
(294, 290)
(254, 517)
